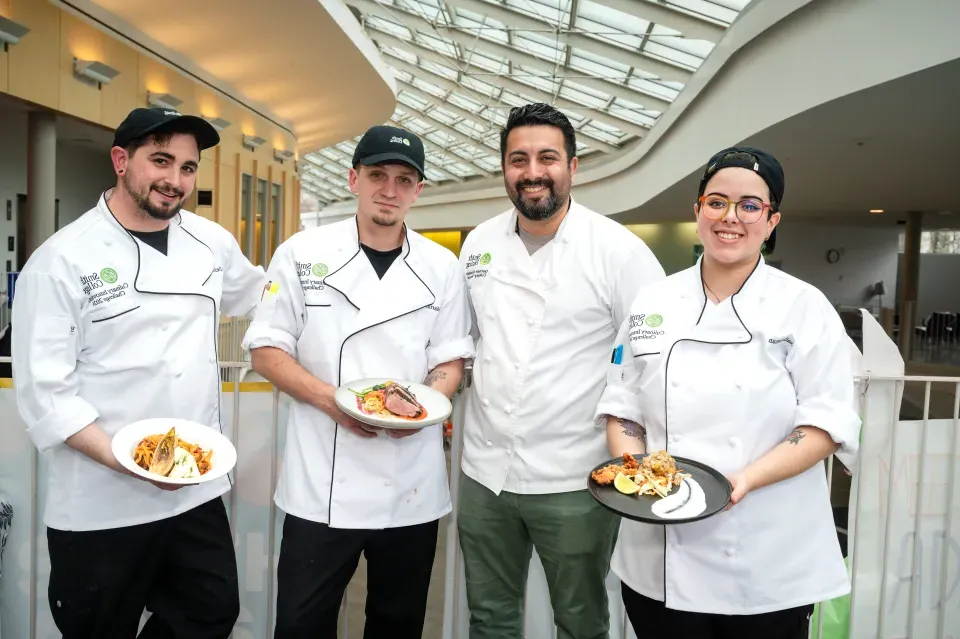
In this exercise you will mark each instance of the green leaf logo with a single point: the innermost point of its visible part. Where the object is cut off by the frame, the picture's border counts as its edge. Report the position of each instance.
(320, 269)
(108, 275)
(654, 321)
(485, 259)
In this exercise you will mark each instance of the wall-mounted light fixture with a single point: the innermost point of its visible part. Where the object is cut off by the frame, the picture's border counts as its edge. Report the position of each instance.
(218, 123)
(11, 32)
(93, 71)
(163, 100)
(252, 142)
(280, 155)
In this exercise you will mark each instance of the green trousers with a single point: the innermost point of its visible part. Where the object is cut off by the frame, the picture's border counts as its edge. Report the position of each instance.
(574, 538)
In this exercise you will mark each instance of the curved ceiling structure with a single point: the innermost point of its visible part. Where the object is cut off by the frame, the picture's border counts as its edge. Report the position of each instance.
(613, 66)
(285, 72)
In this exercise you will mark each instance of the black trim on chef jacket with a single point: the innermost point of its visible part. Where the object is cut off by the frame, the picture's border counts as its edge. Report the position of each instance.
(136, 277)
(336, 431)
(156, 239)
(666, 383)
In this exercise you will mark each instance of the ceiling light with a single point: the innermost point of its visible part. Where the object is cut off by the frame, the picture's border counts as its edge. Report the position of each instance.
(94, 71)
(252, 141)
(163, 100)
(280, 155)
(876, 210)
(218, 123)
(11, 32)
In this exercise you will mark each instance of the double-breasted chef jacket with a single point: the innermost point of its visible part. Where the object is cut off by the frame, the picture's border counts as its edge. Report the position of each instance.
(723, 384)
(107, 329)
(545, 323)
(342, 323)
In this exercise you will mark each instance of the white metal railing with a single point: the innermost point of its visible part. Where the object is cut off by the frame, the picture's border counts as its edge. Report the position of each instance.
(865, 595)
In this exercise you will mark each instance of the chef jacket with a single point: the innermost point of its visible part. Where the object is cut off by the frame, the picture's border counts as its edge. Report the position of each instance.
(327, 308)
(723, 384)
(545, 323)
(107, 329)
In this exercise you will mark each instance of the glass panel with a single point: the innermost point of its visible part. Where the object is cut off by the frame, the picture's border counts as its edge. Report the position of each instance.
(263, 222)
(277, 218)
(247, 220)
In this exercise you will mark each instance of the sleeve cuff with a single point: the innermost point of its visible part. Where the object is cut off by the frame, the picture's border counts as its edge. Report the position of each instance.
(71, 416)
(840, 422)
(448, 351)
(618, 402)
(259, 337)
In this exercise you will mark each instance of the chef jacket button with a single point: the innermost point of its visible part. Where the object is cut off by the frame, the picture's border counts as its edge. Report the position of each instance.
(489, 444)
(733, 441)
(530, 322)
(731, 552)
(510, 452)
(487, 359)
(387, 482)
(507, 410)
(675, 382)
(486, 402)
(517, 365)
(341, 479)
(490, 314)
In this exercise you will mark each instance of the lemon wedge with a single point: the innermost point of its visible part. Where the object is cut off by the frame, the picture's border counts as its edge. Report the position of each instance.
(625, 485)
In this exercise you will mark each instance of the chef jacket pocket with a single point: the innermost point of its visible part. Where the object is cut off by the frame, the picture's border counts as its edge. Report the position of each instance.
(106, 317)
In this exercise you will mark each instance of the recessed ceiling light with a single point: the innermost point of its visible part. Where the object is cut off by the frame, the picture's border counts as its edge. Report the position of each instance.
(876, 210)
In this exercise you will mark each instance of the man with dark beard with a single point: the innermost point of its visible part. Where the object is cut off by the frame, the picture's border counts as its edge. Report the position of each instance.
(115, 322)
(550, 284)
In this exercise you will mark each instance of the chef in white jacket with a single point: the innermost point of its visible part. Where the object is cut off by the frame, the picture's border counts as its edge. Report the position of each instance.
(742, 367)
(361, 298)
(550, 283)
(115, 321)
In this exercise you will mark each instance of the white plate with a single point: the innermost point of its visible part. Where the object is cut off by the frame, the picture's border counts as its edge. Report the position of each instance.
(222, 461)
(437, 405)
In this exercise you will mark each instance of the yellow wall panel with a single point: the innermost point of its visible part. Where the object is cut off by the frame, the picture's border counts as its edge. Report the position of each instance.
(4, 7)
(447, 239)
(119, 98)
(4, 64)
(156, 77)
(79, 40)
(34, 61)
(208, 171)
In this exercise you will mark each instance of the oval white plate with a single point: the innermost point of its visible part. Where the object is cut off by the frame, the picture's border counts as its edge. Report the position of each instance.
(436, 403)
(222, 461)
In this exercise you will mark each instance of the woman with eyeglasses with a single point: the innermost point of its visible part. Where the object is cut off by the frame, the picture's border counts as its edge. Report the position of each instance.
(737, 365)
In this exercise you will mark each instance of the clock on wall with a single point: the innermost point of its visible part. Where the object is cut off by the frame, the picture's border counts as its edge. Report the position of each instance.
(833, 256)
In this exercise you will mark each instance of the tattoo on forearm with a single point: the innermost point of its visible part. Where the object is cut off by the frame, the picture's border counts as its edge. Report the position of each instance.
(433, 377)
(795, 437)
(630, 429)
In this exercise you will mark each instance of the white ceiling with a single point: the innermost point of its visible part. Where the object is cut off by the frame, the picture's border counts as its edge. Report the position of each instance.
(613, 66)
(891, 147)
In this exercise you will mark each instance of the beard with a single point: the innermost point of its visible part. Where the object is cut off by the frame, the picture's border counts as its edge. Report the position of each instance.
(384, 220)
(542, 209)
(149, 208)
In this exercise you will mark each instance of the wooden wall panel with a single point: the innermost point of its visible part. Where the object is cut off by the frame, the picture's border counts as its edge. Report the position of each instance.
(34, 62)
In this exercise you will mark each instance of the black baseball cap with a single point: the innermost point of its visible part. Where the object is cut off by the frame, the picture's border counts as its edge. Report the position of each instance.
(389, 144)
(145, 121)
(756, 160)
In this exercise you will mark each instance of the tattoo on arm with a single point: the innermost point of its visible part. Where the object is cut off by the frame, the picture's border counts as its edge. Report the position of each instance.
(795, 437)
(433, 377)
(631, 429)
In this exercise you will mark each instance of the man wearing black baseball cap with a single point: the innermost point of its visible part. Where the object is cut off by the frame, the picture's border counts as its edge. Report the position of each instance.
(358, 299)
(116, 320)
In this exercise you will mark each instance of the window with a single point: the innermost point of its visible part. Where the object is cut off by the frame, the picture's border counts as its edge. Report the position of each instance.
(944, 241)
(277, 216)
(247, 223)
(10, 243)
(263, 220)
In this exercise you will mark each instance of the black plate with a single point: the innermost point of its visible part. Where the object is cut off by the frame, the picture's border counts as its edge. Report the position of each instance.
(716, 490)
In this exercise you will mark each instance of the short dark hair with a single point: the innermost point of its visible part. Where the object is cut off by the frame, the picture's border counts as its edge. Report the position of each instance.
(539, 114)
(161, 138)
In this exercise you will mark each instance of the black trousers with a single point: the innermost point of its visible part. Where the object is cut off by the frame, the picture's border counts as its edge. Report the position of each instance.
(317, 563)
(650, 618)
(182, 569)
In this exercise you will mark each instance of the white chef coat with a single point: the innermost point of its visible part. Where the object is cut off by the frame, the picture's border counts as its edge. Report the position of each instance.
(545, 324)
(724, 384)
(342, 323)
(108, 329)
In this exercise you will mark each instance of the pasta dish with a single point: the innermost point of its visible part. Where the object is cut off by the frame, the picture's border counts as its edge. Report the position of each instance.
(169, 456)
(657, 475)
(389, 399)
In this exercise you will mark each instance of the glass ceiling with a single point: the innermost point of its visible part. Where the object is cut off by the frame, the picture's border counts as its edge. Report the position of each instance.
(612, 66)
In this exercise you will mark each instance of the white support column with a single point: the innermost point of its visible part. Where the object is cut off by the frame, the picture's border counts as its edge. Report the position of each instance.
(41, 181)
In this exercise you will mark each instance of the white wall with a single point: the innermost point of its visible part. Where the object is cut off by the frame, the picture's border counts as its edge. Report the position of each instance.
(83, 173)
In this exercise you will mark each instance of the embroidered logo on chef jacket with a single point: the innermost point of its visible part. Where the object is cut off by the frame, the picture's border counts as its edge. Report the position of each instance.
(644, 327)
(311, 275)
(476, 263)
(96, 286)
